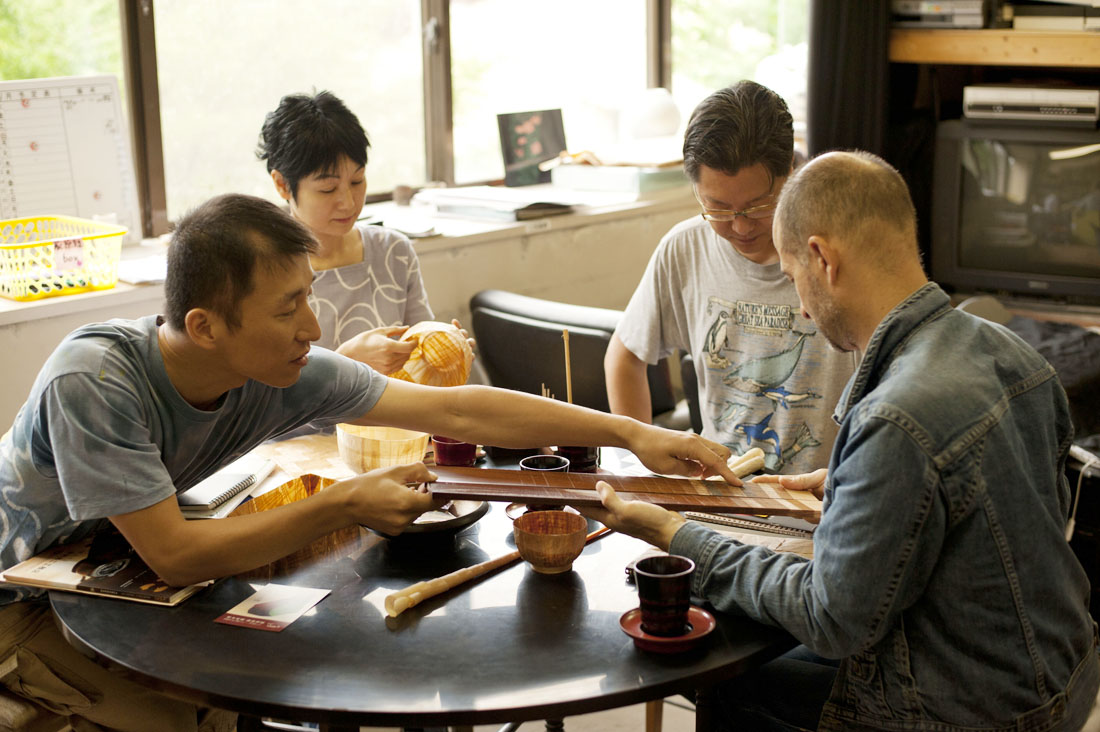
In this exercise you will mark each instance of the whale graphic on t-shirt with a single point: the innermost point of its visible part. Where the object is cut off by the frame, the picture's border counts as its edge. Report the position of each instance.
(761, 374)
(760, 432)
(784, 398)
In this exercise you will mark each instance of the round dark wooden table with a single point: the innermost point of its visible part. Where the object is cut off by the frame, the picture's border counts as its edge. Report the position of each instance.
(510, 646)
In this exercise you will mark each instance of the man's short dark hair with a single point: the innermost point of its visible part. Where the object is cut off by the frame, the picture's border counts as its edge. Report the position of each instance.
(215, 250)
(737, 127)
(307, 134)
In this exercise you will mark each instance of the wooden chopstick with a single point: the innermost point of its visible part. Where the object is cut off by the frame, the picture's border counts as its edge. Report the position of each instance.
(568, 375)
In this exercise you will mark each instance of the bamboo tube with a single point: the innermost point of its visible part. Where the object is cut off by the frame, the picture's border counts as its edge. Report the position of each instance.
(750, 462)
(413, 595)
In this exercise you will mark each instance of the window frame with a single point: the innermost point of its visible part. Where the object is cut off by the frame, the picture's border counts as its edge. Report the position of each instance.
(139, 58)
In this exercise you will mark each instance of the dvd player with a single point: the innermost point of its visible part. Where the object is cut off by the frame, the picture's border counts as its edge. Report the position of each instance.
(1048, 104)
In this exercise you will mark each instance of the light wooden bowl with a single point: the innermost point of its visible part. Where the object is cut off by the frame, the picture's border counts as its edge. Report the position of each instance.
(550, 540)
(367, 448)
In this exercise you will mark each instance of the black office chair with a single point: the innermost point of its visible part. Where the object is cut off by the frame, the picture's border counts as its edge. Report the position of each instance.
(691, 392)
(520, 346)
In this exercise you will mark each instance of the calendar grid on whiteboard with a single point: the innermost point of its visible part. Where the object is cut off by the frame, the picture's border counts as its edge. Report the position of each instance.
(64, 149)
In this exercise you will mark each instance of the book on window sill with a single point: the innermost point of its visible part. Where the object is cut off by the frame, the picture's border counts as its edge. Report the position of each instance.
(521, 203)
(218, 495)
(537, 210)
(103, 564)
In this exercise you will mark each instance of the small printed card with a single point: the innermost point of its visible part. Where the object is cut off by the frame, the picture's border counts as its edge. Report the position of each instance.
(273, 607)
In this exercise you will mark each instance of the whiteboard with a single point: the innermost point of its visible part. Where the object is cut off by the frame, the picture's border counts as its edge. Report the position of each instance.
(65, 150)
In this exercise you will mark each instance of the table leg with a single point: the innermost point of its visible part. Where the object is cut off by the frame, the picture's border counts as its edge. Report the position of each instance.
(248, 723)
(654, 712)
(555, 725)
(704, 710)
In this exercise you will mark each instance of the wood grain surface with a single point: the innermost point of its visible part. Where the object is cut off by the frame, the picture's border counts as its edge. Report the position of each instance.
(579, 489)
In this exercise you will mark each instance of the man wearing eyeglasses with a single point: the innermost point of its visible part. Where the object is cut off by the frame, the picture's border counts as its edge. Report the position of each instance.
(713, 289)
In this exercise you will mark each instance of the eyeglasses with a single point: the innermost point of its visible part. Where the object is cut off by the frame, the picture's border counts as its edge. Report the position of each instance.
(755, 213)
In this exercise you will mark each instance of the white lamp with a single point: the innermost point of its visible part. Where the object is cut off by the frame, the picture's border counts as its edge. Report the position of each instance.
(652, 113)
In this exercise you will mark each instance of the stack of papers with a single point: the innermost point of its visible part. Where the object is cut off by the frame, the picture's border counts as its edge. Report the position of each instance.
(520, 203)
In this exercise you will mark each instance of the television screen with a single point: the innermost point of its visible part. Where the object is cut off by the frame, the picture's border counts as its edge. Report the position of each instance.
(1017, 209)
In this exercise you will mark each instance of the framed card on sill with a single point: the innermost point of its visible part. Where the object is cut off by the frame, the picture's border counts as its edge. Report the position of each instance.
(527, 139)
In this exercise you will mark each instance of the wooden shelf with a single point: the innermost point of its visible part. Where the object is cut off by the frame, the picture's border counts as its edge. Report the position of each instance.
(995, 47)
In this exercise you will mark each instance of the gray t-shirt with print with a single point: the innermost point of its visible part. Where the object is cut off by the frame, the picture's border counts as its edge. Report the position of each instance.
(767, 378)
(104, 432)
(384, 289)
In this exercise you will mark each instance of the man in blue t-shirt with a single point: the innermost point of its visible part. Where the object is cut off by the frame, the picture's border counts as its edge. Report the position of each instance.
(126, 414)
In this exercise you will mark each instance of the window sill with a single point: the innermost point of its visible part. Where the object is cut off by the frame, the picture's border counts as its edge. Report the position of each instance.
(12, 312)
(452, 233)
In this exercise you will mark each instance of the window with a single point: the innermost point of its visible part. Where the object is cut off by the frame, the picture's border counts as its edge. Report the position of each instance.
(579, 56)
(718, 42)
(219, 67)
(222, 66)
(42, 38)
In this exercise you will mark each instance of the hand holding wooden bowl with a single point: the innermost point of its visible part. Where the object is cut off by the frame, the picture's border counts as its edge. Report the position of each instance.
(550, 540)
(442, 356)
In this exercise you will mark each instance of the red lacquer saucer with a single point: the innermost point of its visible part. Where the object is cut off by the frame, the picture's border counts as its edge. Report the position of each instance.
(701, 622)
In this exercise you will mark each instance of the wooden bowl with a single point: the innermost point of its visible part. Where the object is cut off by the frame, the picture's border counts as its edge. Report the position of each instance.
(340, 543)
(550, 540)
(367, 448)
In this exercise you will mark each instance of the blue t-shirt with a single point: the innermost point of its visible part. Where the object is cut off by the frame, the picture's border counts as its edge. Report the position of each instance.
(105, 432)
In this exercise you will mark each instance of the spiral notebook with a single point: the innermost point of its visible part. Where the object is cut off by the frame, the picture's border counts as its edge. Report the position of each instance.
(225, 485)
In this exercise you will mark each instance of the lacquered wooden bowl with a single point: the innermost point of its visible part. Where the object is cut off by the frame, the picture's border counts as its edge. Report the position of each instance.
(550, 540)
(339, 543)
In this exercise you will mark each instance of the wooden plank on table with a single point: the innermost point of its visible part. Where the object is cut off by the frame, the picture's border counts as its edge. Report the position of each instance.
(579, 489)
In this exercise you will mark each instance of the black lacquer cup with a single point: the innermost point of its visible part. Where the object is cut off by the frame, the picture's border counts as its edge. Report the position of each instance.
(582, 459)
(664, 593)
(545, 464)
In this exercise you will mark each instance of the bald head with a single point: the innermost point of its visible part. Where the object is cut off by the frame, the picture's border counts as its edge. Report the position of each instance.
(854, 197)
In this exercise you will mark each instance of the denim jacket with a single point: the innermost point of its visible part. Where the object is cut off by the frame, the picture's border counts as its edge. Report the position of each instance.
(941, 573)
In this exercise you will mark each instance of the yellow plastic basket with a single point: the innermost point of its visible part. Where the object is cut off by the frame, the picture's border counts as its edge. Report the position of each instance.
(46, 256)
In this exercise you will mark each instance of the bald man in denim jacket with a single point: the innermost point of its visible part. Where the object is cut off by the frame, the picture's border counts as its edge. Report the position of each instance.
(942, 583)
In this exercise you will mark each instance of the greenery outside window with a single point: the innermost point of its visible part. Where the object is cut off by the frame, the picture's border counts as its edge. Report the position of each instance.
(426, 78)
